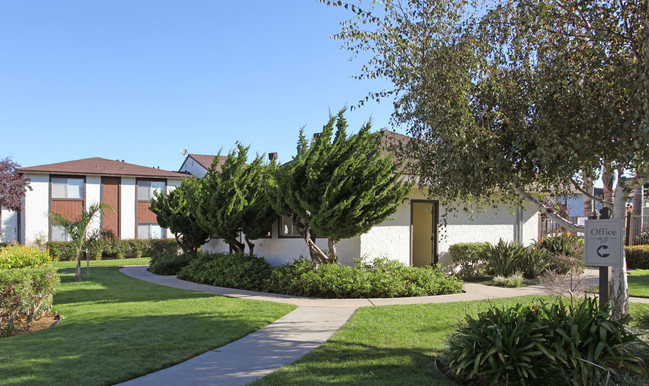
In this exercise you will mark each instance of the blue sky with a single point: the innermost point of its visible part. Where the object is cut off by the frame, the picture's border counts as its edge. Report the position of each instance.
(140, 80)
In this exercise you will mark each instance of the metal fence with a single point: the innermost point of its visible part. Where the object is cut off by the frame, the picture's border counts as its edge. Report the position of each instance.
(637, 229)
(548, 226)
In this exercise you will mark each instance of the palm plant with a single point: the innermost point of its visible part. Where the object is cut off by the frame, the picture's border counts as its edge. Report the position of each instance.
(78, 231)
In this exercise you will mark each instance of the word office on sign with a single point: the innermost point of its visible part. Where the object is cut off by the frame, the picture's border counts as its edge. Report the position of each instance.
(604, 242)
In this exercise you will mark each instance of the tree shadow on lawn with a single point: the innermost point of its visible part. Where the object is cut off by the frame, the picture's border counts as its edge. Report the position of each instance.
(108, 350)
(345, 363)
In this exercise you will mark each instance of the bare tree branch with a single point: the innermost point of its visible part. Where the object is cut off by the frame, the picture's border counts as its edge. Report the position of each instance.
(607, 204)
(547, 210)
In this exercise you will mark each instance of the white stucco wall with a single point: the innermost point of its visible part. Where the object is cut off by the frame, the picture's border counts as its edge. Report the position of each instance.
(278, 251)
(35, 215)
(9, 226)
(127, 203)
(389, 239)
(93, 197)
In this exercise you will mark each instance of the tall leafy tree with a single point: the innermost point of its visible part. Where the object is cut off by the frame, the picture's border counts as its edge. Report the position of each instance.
(231, 200)
(78, 230)
(12, 185)
(525, 95)
(173, 212)
(338, 186)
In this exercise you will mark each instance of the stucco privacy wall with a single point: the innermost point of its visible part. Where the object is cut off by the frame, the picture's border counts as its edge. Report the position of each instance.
(127, 210)
(37, 205)
(8, 226)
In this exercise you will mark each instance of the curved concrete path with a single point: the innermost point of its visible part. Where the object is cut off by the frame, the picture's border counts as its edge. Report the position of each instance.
(288, 338)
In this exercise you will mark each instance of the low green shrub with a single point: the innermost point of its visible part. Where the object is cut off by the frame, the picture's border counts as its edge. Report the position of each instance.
(169, 263)
(157, 246)
(531, 344)
(138, 247)
(513, 281)
(20, 256)
(228, 270)
(380, 278)
(467, 257)
(2, 245)
(505, 259)
(61, 250)
(96, 248)
(120, 248)
(637, 257)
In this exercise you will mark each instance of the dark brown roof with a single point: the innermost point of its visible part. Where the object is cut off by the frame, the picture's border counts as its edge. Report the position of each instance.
(206, 160)
(102, 167)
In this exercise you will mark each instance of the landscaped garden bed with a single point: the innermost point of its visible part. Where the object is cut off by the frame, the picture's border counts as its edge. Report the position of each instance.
(378, 278)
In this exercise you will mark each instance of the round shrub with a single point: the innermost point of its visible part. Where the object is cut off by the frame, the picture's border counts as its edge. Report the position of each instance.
(228, 270)
(20, 256)
(568, 344)
(468, 259)
(169, 263)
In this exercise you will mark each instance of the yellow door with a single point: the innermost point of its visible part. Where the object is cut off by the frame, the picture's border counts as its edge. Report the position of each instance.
(422, 233)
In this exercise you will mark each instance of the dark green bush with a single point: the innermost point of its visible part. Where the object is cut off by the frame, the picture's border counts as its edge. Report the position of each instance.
(25, 294)
(2, 245)
(381, 278)
(61, 250)
(96, 248)
(467, 257)
(233, 271)
(169, 263)
(541, 343)
(637, 257)
(120, 248)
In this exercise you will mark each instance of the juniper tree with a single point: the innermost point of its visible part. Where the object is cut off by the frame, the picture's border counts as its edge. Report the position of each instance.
(520, 95)
(337, 186)
(172, 211)
(230, 200)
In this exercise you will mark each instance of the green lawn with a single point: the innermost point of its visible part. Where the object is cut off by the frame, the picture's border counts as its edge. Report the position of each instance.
(115, 328)
(386, 346)
(639, 283)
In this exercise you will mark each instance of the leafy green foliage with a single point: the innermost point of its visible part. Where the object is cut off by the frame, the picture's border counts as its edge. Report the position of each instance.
(25, 294)
(570, 344)
(561, 244)
(505, 259)
(235, 270)
(228, 200)
(467, 257)
(381, 278)
(169, 263)
(21, 256)
(172, 211)
(338, 186)
(637, 257)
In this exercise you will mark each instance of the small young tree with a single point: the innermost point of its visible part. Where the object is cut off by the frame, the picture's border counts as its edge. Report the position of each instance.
(78, 230)
(337, 187)
(12, 185)
(225, 201)
(173, 212)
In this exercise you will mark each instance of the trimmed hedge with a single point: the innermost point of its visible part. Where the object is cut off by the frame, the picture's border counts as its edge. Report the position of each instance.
(233, 271)
(63, 250)
(468, 258)
(380, 278)
(28, 281)
(637, 257)
(169, 263)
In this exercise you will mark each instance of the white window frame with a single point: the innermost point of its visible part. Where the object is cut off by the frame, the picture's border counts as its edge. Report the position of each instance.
(62, 185)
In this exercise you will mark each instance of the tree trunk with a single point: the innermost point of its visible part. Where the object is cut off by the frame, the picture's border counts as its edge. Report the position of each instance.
(236, 246)
(251, 247)
(589, 208)
(618, 286)
(77, 272)
(315, 252)
(333, 256)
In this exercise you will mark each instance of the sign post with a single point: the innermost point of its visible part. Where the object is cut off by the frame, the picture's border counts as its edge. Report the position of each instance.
(604, 248)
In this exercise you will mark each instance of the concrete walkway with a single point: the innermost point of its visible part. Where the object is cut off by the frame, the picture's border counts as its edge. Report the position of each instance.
(288, 338)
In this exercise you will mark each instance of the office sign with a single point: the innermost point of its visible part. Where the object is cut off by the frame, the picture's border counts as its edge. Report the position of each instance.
(604, 242)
